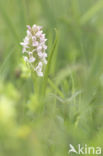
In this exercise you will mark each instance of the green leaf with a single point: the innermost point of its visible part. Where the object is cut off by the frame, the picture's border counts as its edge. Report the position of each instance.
(45, 80)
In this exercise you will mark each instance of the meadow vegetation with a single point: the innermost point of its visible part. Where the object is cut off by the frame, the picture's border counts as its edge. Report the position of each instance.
(42, 116)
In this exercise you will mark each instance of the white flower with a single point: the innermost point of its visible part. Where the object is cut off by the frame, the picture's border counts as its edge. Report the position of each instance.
(34, 48)
(38, 69)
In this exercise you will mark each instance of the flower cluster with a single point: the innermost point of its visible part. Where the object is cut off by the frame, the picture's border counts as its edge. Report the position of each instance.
(34, 48)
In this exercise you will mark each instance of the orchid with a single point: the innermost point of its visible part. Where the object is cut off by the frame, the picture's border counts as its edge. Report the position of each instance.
(34, 49)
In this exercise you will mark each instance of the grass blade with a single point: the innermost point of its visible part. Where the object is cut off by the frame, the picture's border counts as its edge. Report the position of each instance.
(91, 12)
(55, 88)
(8, 22)
(49, 65)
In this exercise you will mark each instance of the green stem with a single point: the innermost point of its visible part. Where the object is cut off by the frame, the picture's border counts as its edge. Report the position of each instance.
(35, 82)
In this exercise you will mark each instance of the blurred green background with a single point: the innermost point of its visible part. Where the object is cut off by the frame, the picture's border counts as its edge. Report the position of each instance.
(27, 128)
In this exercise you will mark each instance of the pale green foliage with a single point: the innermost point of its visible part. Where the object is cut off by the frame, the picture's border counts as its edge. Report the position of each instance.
(42, 116)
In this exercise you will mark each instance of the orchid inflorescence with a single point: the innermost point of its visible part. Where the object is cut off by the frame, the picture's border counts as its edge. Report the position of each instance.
(34, 48)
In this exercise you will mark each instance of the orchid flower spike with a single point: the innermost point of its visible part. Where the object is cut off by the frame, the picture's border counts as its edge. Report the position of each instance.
(34, 48)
